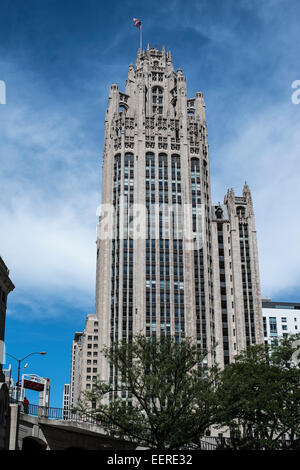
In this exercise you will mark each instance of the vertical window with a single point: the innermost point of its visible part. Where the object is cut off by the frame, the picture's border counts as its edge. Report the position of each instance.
(150, 246)
(157, 100)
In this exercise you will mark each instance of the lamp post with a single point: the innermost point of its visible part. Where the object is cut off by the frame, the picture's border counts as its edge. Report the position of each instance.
(43, 353)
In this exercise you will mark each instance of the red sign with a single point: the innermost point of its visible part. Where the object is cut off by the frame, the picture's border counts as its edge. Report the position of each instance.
(37, 386)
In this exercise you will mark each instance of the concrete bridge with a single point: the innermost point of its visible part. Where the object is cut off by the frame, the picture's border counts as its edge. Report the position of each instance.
(33, 427)
(45, 429)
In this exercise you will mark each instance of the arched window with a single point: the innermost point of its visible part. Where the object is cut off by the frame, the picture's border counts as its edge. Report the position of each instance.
(123, 108)
(240, 211)
(195, 167)
(157, 100)
(175, 160)
(163, 158)
(149, 158)
(129, 158)
(118, 158)
(219, 213)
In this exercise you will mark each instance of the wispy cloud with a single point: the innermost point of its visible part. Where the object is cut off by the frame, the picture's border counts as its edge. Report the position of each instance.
(266, 154)
(50, 189)
(240, 54)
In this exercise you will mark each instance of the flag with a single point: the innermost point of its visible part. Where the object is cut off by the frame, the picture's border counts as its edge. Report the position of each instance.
(137, 23)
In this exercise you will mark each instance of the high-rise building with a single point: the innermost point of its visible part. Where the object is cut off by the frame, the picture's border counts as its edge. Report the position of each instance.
(90, 352)
(280, 319)
(84, 361)
(66, 401)
(76, 370)
(156, 194)
(168, 262)
(237, 296)
(6, 286)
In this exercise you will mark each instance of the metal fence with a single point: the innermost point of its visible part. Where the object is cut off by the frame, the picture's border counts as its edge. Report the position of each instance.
(227, 443)
(60, 414)
(202, 445)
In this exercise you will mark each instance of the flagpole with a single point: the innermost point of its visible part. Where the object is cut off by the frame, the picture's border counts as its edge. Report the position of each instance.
(138, 24)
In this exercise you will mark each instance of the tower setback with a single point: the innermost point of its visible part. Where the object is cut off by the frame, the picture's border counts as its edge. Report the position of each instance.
(168, 261)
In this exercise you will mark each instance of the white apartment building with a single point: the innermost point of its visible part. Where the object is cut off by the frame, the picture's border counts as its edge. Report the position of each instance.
(280, 319)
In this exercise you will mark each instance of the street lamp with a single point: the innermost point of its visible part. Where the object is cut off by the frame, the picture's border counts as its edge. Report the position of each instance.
(43, 353)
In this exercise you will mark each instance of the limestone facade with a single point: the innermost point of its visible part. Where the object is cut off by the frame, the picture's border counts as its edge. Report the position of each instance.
(237, 295)
(167, 263)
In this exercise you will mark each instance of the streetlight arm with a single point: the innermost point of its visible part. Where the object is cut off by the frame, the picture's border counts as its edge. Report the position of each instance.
(10, 355)
(20, 360)
(29, 355)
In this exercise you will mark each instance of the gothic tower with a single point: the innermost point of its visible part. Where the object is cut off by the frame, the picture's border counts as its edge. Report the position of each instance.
(155, 168)
(155, 256)
(237, 295)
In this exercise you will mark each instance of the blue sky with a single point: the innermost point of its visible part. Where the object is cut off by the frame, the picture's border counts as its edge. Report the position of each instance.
(58, 59)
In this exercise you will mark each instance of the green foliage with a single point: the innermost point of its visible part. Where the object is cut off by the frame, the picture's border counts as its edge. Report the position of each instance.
(169, 396)
(164, 399)
(259, 396)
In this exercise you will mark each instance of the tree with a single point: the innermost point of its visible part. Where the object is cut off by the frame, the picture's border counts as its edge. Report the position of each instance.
(259, 396)
(164, 398)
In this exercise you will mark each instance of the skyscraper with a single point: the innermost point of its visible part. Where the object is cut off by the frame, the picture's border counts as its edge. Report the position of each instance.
(6, 286)
(168, 262)
(84, 362)
(237, 296)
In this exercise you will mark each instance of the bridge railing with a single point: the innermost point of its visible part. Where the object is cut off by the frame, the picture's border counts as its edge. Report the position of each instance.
(60, 414)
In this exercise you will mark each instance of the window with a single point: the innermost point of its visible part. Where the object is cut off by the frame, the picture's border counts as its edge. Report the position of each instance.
(240, 211)
(273, 325)
(219, 213)
(157, 100)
